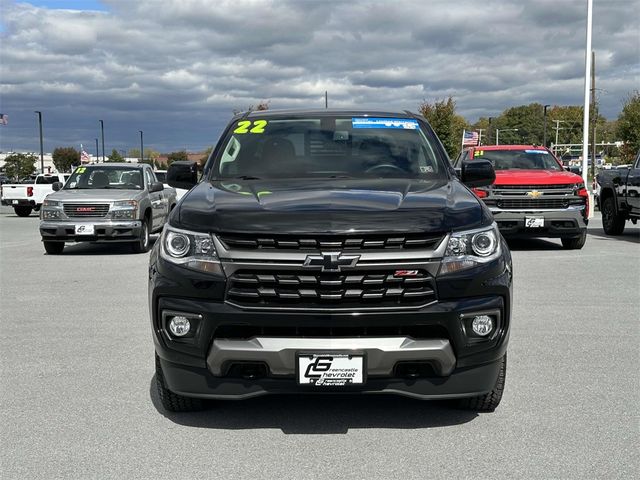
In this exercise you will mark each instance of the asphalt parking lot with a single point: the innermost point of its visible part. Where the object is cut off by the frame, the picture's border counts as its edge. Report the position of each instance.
(78, 399)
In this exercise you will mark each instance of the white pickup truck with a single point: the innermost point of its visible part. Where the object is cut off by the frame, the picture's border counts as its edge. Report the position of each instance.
(26, 197)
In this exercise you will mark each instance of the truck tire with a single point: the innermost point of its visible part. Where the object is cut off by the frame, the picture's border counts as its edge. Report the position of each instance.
(53, 248)
(574, 243)
(142, 244)
(23, 211)
(612, 222)
(172, 401)
(489, 401)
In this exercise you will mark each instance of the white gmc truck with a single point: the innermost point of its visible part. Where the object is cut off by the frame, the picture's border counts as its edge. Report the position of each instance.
(26, 197)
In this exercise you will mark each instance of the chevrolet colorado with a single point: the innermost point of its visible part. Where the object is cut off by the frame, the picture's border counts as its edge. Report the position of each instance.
(330, 251)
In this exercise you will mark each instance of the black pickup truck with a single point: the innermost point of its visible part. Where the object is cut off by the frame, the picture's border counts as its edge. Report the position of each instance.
(330, 251)
(619, 197)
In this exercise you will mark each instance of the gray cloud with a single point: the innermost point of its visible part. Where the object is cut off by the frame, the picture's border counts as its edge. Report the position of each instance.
(177, 69)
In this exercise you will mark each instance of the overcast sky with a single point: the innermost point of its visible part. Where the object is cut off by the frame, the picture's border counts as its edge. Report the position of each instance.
(176, 69)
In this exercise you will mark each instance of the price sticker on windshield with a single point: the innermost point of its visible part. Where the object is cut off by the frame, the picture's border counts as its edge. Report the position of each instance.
(246, 126)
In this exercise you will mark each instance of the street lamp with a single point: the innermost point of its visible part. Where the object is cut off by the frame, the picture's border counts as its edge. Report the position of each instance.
(504, 130)
(97, 151)
(41, 144)
(141, 147)
(102, 131)
(544, 135)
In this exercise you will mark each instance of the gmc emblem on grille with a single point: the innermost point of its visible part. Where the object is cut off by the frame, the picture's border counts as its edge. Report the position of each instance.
(331, 262)
(85, 209)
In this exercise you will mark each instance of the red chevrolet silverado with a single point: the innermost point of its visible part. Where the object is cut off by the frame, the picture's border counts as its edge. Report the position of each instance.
(533, 195)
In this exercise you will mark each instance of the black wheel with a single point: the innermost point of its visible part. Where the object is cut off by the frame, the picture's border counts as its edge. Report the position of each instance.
(142, 244)
(23, 211)
(172, 401)
(574, 243)
(53, 248)
(612, 222)
(489, 401)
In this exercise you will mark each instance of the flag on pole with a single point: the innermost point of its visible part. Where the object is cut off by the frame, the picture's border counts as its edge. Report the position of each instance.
(470, 139)
(4, 119)
(84, 156)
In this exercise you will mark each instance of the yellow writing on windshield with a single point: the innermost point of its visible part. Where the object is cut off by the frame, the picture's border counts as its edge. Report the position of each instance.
(243, 126)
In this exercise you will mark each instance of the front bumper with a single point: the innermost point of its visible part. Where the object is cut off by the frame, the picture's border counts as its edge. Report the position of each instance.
(104, 230)
(566, 222)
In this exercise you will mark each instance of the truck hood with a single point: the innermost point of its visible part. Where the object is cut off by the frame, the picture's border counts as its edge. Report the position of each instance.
(535, 177)
(92, 195)
(330, 206)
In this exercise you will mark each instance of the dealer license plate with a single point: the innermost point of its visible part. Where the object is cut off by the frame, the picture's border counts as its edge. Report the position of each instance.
(15, 202)
(86, 229)
(330, 370)
(534, 222)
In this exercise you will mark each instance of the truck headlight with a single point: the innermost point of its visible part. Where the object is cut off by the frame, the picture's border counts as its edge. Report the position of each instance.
(470, 249)
(51, 209)
(124, 209)
(191, 249)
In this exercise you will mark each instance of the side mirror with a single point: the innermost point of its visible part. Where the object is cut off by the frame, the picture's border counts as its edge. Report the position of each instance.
(56, 186)
(182, 174)
(477, 173)
(156, 187)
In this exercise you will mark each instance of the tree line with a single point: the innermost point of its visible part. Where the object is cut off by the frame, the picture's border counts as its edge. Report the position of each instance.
(529, 122)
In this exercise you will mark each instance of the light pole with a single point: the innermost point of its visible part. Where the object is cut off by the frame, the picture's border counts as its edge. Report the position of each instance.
(102, 132)
(97, 151)
(544, 135)
(504, 130)
(41, 143)
(141, 147)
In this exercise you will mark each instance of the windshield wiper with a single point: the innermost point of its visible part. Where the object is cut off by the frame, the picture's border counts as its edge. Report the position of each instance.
(246, 177)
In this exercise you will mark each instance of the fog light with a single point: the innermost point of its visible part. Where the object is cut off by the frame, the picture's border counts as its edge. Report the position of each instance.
(482, 325)
(179, 326)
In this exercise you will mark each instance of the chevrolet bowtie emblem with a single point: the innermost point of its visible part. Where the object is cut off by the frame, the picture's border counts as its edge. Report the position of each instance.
(534, 194)
(331, 262)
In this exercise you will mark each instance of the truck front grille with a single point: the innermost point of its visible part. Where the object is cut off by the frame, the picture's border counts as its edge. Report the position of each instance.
(529, 203)
(348, 290)
(334, 243)
(82, 210)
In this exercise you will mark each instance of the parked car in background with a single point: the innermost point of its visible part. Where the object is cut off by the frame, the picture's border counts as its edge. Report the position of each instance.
(161, 175)
(106, 202)
(533, 195)
(620, 197)
(26, 197)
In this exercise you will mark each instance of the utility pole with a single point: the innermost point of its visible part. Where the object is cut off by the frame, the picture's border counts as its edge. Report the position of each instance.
(102, 131)
(480, 130)
(41, 142)
(544, 135)
(587, 72)
(489, 130)
(594, 120)
(141, 147)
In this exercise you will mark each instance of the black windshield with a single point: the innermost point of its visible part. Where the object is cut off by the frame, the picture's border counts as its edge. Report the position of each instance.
(328, 147)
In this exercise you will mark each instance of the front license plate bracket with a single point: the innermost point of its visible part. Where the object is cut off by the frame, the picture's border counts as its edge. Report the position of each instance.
(330, 369)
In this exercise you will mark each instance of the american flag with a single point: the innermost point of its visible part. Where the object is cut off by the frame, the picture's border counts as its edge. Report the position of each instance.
(470, 139)
(4, 119)
(84, 156)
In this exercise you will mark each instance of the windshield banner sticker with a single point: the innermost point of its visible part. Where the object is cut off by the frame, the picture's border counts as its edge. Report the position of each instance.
(368, 122)
(540, 152)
